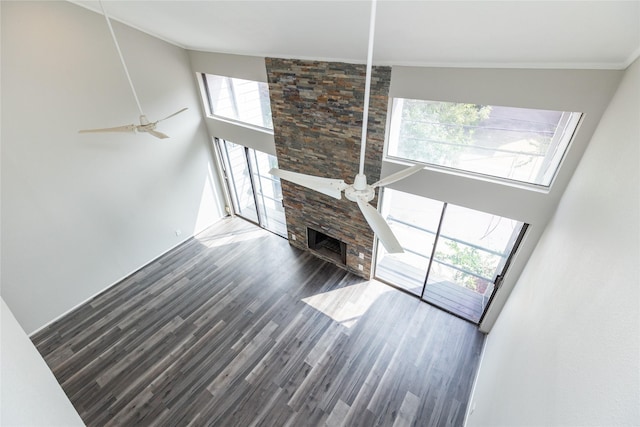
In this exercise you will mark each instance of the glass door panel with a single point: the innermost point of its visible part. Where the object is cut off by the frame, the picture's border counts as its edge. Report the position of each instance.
(414, 220)
(268, 192)
(255, 194)
(471, 247)
(239, 180)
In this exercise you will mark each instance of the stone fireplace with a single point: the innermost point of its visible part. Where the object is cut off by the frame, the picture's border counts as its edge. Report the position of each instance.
(317, 116)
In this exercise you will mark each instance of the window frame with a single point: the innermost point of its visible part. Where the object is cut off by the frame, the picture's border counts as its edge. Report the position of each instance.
(210, 110)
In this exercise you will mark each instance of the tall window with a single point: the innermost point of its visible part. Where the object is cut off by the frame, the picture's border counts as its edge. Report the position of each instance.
(519, 144)
(244, 101)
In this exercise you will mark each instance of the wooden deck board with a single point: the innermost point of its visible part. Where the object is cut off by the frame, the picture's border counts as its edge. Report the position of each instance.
(444, 294)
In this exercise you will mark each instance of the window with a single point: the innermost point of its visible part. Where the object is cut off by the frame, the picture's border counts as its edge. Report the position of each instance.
(518, 144)
(240, 100)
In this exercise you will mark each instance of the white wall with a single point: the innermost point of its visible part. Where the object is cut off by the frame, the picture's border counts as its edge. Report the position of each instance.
(79, 212)
(566, 347)
(29, 393)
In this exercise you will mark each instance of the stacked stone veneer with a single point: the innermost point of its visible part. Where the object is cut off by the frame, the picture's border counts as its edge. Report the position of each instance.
(317, 117)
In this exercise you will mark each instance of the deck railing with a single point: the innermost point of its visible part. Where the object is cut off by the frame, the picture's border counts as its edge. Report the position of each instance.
(503, 255)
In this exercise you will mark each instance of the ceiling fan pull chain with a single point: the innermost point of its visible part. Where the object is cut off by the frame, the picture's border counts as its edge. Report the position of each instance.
(124, 65)
(367, 87)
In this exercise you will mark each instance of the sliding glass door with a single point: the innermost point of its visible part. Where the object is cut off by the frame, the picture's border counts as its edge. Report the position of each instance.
(453, 256)
(255, 194)
(267, 191)
(239, 180)
(414, 221)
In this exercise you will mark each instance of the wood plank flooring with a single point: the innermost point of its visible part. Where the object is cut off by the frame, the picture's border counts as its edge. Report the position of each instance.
(237, 328)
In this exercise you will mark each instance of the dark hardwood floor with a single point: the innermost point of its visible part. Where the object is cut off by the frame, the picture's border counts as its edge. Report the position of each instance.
(237, 328)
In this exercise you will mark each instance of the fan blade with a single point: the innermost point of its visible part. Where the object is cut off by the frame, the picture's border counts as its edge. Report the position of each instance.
(157, 134)
(328, 186)
(380, 227)
(127, 128)
(174, 114)
(398, 176)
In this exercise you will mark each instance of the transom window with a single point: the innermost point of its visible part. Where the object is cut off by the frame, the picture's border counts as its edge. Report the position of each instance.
(518, 144)
(244, 101)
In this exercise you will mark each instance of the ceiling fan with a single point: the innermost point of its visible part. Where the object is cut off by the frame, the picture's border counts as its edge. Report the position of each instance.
(359, 192)
(145, 125)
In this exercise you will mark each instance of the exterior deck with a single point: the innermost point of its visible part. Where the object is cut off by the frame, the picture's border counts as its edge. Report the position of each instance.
(456, 299)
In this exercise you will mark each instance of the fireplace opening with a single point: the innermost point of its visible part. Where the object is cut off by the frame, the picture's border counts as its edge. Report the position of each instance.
(327, 245)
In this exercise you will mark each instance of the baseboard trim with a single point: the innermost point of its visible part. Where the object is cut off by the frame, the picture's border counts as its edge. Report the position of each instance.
(471, 400)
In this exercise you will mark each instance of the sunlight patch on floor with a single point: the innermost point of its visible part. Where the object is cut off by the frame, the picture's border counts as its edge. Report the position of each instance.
(242, 235)
(346, 305)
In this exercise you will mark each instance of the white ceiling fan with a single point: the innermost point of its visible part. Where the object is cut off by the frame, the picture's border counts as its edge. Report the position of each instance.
(145, 125)
(359, 192)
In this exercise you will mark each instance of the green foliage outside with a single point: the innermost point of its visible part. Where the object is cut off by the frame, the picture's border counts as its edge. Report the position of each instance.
(470, 259)
(437, 132)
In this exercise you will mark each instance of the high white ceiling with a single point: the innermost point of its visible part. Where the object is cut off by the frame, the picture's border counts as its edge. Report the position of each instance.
(544, 34)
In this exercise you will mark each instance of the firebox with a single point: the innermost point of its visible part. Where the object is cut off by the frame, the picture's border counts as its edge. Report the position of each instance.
(326, 245)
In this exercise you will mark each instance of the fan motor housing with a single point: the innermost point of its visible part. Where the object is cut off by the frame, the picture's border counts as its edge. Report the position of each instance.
(367, 194)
